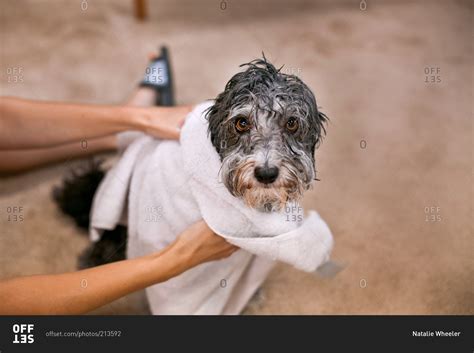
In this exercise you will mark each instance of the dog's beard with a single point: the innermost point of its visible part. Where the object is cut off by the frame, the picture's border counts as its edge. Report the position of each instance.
(238, 177)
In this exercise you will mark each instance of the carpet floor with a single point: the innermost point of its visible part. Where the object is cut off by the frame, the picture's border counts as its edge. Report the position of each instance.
(395, 167)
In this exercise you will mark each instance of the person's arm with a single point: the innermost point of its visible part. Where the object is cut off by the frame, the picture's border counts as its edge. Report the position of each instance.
(83, 291)
(16, 161)
(26, 124)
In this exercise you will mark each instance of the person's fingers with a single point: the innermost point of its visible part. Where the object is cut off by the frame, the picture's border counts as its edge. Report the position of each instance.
(233, 249)
(175, 134)
(166, 123)
(170, 133)
(229, 250)
(200, 244)
(228, 253)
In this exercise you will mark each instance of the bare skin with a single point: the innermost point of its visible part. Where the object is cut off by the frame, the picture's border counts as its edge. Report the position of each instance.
(26, 124)
(35, 133)
(82, 291)
(16, 161)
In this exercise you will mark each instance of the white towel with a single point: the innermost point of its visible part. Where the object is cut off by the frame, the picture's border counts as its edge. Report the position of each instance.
(166, 186)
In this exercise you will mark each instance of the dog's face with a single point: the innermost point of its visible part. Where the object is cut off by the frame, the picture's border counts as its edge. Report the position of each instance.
(265, 127)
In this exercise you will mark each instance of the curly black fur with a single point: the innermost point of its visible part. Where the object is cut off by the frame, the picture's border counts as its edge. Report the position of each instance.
(110, 248)
(74, 197)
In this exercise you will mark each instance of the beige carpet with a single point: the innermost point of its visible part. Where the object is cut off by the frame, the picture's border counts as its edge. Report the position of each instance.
(398, 150)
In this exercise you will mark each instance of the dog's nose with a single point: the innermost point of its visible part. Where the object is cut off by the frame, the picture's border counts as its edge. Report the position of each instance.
(266, 175)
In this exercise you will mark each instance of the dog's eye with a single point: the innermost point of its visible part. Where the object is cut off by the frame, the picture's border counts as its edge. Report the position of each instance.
(242, 124)
(292, 124)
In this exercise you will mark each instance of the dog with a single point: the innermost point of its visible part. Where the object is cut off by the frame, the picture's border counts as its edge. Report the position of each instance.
(265, 127)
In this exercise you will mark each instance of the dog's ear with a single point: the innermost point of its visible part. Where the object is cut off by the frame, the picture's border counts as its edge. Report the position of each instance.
(320, 120)
(215, 116)
(323, 120)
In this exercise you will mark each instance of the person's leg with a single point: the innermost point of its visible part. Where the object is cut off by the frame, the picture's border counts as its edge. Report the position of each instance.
(143, 97)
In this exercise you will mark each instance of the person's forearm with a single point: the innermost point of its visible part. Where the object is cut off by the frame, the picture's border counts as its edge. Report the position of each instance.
(86, 290)
(15, 161)
(32, 124)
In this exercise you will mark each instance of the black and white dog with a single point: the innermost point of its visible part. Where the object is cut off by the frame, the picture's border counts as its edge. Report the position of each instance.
(265, 127)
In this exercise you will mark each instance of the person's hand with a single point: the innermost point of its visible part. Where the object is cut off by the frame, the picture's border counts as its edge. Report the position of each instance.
(162, 122)
(200, 244)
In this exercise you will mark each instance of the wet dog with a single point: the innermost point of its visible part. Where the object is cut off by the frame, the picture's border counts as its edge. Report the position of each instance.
(265, 127)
